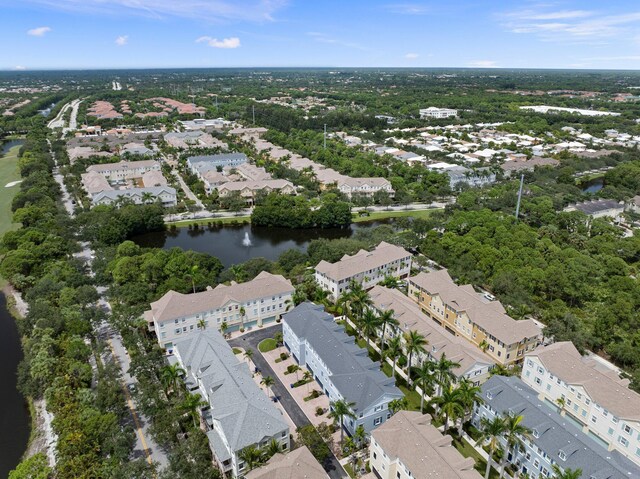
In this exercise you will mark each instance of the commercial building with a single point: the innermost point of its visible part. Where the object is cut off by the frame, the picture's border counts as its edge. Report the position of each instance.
(463, 312)
(433, 112)
(475, 365)
(342, 369)
(555, 440)
(297, 464)
(588, 394)
(408, 446)
(365, 267)
(239, 413)
(258, 302)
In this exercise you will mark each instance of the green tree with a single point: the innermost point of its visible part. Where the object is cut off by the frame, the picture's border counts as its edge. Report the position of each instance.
(450, 405)
(268, 382)
(191, 404)
(369, 324)
(396, 405)
(387, 320)
(414, 344)
(491, 431)
(515, 434)
(340, 410)
(35, 467)
(394, 351)
(171, 376)
(424, 380)
(443, 372)
(252, 457)
(559, 473)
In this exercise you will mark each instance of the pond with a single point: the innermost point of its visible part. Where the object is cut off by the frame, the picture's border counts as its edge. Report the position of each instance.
(8, 144)
(592, 186)
(234, 244)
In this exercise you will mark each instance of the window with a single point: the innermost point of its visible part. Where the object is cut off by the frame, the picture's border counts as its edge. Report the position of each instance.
(627, 429)
(538, 381)
(562, 455)
(594, 419)
(610, 431)
(377, 421)
(623, 441)
(535, 433)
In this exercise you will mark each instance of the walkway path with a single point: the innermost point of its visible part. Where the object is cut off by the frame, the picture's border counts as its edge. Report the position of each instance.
(187, 190)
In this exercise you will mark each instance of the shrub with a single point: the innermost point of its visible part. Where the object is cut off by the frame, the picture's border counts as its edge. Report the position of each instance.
(284, 356)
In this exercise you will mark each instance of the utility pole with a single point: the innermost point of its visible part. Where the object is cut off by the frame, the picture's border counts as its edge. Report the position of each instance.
(519, 197)
(324, 145)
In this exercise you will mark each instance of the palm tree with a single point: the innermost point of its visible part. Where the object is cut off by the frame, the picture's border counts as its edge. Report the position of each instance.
(443, 371)
(268, 382)
(424, 379)
(343, 303)
(490, 432)
(484, 345)
(339, 410)
(307, 377)
(191, 404)
(369, 325)
(193, 272)
(252, 457)
(170, 376)
(449, 404)
(360, 436)
(566, 474)
(279, 338)
(147, 197)
(396, 405)
(223, 328)
(243, 312)
(469, 395)
(394, 350)
(389, 282)
(414, 344)
(202, 324)
(272, 448)
(515, 434)
(248, 354)
(387, 319)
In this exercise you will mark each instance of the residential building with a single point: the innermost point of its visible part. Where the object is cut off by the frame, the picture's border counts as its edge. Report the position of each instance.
(634, 204)
(599, 208)
(408, 446)
(250, 189)
(239, 413)
(588, 394)
(475, 365)
(202, 123)
(258, 302)
(463, 312)
(473, 177)
(165, 194)
(342, 369)
(433, 112)
(364, 267)
(124, 170)
(514, 167)
(363, 186)
(299, 463)
(200, 164)
(554, 439)
(193, 139)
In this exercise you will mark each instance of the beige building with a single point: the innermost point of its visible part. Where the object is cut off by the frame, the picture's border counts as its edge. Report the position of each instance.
(249, 189)
(125, 169)
(299, 463)
(408, 446)
(463, 312)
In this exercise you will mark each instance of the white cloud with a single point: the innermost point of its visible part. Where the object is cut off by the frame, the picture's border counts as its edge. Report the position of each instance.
(407, 8)
(122, 40)
(19, 68)
(323, 38)
(483, 64)
(38, 32)
(411, 56)
(209, 10)
(231, 42)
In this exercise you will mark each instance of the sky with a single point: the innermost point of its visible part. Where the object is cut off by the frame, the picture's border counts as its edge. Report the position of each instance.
(94, 34)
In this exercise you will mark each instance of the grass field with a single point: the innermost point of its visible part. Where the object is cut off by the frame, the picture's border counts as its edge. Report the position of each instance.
(267, 345)
(205, 221)
(383, 215)
(8, 173)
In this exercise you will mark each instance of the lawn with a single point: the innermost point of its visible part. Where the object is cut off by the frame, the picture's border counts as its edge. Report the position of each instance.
(383, 215)
(213, 221)
(236, 351)
(8, 173)
(467, 450)
(267, 345)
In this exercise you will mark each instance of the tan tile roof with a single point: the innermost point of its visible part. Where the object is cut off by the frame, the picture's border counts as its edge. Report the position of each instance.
(124, 165)
(298, 464)
(604, 387)
(411, 318)
(255, 185)
(153, 178)
(362, 261)
(174, 305)
(489, 316)
(94, 182)
(411, 437)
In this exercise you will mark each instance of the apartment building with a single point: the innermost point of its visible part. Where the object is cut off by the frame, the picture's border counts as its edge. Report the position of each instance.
(299, 463)
(363, 186)
(124, 170)
(463, 312)
(239, 413)
(365, 267)
(433, 112)
(555, 440)
(258, 302)
(475, 365)
(202, 163)
(408, 446)
(250, 189)
(342, 369)
(588, 394)
(165, 194)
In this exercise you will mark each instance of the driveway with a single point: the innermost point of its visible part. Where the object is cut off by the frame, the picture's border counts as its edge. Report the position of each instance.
(251, 341)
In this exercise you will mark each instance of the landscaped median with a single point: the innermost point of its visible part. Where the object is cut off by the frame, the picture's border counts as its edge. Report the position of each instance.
(267, 345)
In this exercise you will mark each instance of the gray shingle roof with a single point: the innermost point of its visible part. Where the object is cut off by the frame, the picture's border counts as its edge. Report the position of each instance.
(355, 376)
(555, 433)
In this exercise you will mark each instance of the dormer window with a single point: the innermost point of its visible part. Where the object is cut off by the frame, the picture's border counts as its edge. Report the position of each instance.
(535, 433)
(562, 455)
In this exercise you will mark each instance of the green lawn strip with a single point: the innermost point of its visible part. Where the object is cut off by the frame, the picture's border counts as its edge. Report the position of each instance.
(213, 221)
(382, 215)
(8, 173)
(467, 450)
(236, 351)
(267, 345)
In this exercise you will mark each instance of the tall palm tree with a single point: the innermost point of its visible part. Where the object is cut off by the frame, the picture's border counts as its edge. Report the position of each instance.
(268, 382)
(340, 410)
(369, 325)
(424, 379)
(343, 303)
(279, 338)
(566, 474)
(202, 324)
(515, 434)
(193, 272)
(449, 404)
(223, 328)
(243, 312)
(191, 404)
(360, 436)
(491, 431)
(170, 376)
(252, 456)
(394, 351)
(307, 377)
(396, 405)
(272, 448)
(469, 395)
(443, 371)
(414, 344)
(248, 354)
(387, 319)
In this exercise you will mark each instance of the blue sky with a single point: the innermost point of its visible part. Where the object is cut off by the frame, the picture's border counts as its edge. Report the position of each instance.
(87, 34)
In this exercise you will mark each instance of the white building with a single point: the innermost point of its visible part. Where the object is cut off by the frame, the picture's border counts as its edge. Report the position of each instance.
(258, 302)
(433, 112)
(124, 170)
(588, 394)
(364, 267)
(364, 186)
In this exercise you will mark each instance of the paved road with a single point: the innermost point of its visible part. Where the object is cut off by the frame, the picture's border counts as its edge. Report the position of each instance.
(250, 341)
(187, 190)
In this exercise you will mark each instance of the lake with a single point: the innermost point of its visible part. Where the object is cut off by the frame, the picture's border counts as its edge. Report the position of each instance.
(7, 145)
(229, 243)
(592, 186)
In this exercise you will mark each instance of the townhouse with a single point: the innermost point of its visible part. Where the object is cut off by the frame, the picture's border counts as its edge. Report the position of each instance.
(434, 112)
(239, 414)
(554, 439)
(475, 365)
(299, 463)
(588, 394)
(363, 186)
(342, 369)
(463, 312)
(365, 267)
(124, 170)
(166, 195)
(408, 446)
(600, 208)
(193, 139)
(258, 302)
(250, 189)
(202, 163)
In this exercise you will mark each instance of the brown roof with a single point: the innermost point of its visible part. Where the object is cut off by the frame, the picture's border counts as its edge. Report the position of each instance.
(489, 316)
(604, 386)
(410, 437)
(298, 464)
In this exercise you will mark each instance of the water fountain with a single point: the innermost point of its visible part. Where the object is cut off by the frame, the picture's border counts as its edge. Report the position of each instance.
(246, 241)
